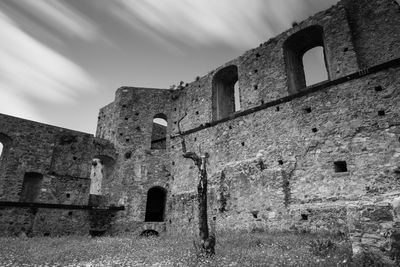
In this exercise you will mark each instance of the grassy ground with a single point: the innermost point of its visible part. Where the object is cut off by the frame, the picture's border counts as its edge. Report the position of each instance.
(258, 249)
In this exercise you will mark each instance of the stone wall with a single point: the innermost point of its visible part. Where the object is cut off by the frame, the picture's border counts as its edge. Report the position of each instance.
(311, 162)
(61, 159)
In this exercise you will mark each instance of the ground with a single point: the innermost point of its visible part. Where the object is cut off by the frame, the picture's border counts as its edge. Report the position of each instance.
(239, 249)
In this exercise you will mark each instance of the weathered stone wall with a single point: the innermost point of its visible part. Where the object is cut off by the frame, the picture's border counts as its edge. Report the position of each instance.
(63, 159)
(138, 167)
(375, 30)
(274, 168)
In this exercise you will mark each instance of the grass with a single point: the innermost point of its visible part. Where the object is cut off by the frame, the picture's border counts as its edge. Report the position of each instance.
(243, 249)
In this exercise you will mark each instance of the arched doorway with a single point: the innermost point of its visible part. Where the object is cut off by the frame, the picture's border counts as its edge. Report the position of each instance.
(155, 205)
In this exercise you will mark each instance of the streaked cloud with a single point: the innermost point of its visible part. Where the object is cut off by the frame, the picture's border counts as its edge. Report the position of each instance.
(31, 70)
(237, 23)
(62, 17)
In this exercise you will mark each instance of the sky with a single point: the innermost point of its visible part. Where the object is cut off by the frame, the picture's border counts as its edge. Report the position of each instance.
(62, 60)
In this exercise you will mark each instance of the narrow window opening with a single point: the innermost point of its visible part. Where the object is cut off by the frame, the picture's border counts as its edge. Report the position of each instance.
(155, 204)
(159, 134)
(225, 92)
(102, 167)
(256, 87)
(277, 108)
(340, 166)
(68, 195)
(381, 113)
(230, 127)
(280, 162)
(31, 187)
(237, 96)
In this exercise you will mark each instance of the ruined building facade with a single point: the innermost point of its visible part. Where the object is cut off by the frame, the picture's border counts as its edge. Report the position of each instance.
(319, 158)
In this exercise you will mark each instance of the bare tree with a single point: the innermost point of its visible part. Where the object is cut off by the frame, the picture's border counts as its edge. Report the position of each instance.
(207, 240)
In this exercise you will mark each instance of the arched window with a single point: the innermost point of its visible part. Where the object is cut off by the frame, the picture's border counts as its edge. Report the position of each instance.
(31, 187)
(304, 68)
(155, 205)
(159, 132)
(225, 92)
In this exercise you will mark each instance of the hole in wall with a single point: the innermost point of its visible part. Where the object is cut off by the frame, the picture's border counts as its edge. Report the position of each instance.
(340, 166)
(242, 143)
(256, 71)
(121, 134)
(230, 127)
(124, 106)
(280, 162)
(277, 108)
(255, 214)
(128, 155)
(96, 233)
(68, 195)
(137, 113)
(381, 113)
(255, 87)
(258, 55)
(173, 163)
(345, 49)
(262, 102)
(70, 213)
(378, 88)
(314, 130)
(172, 147)
(74, 158)
(126, 118)
(174, 109)
(148, 233)
(195, 139)
(197, 113)
(304, 217)
(127, 140)
(307, 110)
(138, 129)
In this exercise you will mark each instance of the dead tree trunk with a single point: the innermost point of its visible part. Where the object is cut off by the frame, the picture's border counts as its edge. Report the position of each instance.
(207, 241)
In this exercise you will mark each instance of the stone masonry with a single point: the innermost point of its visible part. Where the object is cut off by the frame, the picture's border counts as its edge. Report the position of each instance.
(322, 159)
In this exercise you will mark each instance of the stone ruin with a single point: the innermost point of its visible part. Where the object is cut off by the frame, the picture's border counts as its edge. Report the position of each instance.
(284, 155)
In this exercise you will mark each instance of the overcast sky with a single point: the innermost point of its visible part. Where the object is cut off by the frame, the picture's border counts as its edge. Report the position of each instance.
(63, 60)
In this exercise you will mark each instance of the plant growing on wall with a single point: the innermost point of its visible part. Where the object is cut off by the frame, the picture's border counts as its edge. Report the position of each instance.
(207, 239)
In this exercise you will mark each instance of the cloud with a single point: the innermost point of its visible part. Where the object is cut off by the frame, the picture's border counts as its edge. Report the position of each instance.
(61, 17)
(31, 70)
(237, 23)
